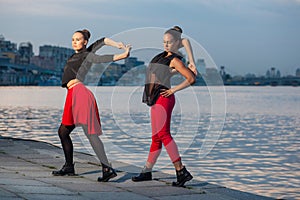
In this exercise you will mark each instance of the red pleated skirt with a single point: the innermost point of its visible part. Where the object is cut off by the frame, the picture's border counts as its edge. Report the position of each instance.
(81, 109)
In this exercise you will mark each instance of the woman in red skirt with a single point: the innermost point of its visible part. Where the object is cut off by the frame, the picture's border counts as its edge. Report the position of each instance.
(80, 107)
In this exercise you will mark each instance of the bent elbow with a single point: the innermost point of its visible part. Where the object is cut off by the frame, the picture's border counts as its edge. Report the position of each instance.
(192, 80)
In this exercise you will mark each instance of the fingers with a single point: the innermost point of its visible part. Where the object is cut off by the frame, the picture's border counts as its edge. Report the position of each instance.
(121, 45)
(128, 47)
(166, 93)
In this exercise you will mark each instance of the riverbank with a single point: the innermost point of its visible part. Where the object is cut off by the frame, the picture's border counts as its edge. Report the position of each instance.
(26, 166)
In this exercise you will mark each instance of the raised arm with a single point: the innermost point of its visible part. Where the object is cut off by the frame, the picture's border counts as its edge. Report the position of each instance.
(188, 48)
(94, 58)
(105, 41)
(189, 77)
(96, 45)
(112, 43)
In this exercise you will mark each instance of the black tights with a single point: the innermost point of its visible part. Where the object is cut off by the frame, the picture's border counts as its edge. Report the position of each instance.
(64, 135)
(66, 142)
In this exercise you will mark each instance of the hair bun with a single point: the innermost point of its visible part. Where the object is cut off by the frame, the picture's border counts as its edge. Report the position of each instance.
(86, 33)
(177, 28)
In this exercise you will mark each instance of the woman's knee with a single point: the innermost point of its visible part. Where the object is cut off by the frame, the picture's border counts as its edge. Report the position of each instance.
(165, 137)
(64, 131)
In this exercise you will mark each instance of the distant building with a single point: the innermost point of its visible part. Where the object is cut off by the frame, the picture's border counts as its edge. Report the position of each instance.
(298, 72)
(52, 57)
(272, 73)
(278, 74)
(250, 75)
(8, 49)
(7, 46)
(268, 74)
(16, 67)
(132, 62)
(201, 65)
(44, 62)
(25, 53)
(222, 72)
(213, 77)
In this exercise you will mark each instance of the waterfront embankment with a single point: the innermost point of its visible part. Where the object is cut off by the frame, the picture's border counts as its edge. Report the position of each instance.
(25, 173)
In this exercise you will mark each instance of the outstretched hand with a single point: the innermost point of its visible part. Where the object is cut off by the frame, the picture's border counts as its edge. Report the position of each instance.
(120, 45)
(127, 49)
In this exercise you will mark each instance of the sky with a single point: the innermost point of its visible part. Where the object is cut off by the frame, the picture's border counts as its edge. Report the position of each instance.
(245, 36)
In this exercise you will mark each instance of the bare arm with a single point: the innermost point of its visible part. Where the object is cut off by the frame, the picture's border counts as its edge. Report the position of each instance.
(104, 41)
(188, 48)
(189, 78)
(110, 42)
(119, 45)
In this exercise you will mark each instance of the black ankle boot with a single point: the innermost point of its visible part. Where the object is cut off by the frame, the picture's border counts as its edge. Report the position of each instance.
(108, 173)
(143, 176)
(67, 169)
(182, 176)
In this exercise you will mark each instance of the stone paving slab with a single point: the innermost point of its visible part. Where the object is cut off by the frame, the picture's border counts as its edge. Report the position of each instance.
(89, 187)
(197, 197)
(52, 197)
(32, 189)
(26, 167)
(161, 191)
(21, 181)
(114, 195)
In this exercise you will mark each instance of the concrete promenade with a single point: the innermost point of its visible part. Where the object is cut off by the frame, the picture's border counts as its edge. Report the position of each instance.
(26, 166)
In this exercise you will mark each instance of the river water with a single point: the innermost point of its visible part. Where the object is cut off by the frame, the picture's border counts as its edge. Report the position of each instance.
(245, 138)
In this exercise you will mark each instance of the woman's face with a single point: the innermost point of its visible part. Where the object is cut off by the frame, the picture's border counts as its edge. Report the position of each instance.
(170, 44)
(78, 41)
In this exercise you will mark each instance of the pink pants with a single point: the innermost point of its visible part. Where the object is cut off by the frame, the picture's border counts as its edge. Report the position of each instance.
(161, 113)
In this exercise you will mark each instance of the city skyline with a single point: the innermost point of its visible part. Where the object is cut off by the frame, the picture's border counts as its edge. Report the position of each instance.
(243, 36)
(19, 66)
(48, 51)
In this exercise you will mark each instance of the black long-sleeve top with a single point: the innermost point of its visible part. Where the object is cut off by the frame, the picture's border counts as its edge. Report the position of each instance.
(79, 63)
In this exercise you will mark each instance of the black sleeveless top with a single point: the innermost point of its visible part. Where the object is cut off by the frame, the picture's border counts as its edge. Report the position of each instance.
(158, 77)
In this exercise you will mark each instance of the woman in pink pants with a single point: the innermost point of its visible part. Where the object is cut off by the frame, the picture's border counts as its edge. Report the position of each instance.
(159, 94)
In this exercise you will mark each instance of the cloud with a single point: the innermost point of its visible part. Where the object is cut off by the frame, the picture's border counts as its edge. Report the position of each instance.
(58, 8)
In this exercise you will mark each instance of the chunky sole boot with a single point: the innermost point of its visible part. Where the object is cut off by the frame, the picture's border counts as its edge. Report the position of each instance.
(146, 176)
(108, 173)
(67, 169)
(182, 177)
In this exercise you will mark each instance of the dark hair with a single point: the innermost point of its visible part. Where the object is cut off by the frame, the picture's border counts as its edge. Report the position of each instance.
(176, 32)
(86, 34)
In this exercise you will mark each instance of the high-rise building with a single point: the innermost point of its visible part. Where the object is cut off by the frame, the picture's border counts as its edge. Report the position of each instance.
(25, 53)
(222, 72)
(200, 63)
